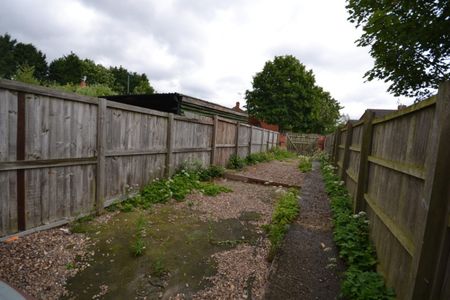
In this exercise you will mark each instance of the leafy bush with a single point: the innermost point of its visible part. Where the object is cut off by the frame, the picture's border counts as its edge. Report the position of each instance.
(286, 210)
(351, 234)
(305, 164)
(236, 162)
(211, 172)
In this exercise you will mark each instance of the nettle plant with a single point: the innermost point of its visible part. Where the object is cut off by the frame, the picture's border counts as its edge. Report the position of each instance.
(351, 234)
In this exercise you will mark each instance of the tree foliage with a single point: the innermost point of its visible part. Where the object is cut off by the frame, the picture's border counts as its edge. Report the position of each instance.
(25, 63)
(409, 40)
(13, 55)
(285, 93)
(66, 70)
(25, 73)
(139, 83)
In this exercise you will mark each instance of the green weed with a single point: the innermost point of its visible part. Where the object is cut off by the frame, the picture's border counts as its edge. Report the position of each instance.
(158, 268)
(286, 210)
(211, 189)
(70, 266)
(138, 246)
(351, 234)
(305, 164)
(236, 162)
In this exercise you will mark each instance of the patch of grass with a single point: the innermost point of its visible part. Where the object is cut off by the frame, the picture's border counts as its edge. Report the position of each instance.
(211, 189)
(158, 268)
(305, 164)
(286, 210)
(138, 246)
(238, 163)
(281, 154)
(351, 234)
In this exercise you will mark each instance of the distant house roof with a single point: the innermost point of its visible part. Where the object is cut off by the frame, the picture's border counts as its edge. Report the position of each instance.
(178, 103)
(378, 112)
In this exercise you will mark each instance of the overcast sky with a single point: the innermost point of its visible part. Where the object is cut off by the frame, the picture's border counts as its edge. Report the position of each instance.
(209, 49)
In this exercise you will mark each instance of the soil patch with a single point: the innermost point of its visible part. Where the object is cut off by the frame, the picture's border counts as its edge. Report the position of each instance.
(286, 172)
(307, 265)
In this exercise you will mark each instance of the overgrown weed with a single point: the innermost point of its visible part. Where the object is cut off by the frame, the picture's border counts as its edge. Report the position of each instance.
(286, 210)
(351, 234)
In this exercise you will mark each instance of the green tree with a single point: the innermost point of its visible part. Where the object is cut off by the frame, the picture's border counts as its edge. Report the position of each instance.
(25, 73)
(409, 40)
(13, 55)
(285, 93)
(139, 84)
(7, 64)
(325, 113)
(28, 55)
(66, 69)
(143, 86)
(96, 73)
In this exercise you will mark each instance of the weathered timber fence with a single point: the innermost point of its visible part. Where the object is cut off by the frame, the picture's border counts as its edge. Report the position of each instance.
(397, 169)
(64, 155)
(302, 143)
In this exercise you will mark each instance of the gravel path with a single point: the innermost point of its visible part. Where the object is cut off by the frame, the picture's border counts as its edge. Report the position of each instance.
(307, 266)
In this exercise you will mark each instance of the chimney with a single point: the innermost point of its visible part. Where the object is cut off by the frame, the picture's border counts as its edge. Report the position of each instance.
(237, 107)
(83, 82)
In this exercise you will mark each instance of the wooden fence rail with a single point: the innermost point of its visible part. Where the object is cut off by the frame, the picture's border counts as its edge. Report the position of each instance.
(64, 155)
(397, 169)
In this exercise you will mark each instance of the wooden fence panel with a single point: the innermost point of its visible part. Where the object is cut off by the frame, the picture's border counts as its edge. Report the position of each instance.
(256, 140)
(192, 142)
(340, 149)
(244, 137)
(329, 144)
(64, 155)
(135, 150)
(226, 141)
(389, 171)
(352, 171)
(8, 147)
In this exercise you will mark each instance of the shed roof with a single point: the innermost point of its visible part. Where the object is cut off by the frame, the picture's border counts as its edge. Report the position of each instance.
(177, 103)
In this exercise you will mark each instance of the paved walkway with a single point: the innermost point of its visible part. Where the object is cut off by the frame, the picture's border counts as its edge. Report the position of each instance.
(307, 265)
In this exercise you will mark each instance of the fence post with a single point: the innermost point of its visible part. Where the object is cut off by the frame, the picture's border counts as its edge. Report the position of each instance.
(426, 264)
(250, 140)
(363, 172)
(214, 139)
(262, 140)
(20, 155)
(169, 156)
(101, 143)
(237, 138)
(348, 142)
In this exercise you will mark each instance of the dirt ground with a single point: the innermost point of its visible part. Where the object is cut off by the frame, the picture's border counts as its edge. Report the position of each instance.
(286, 172)
(206, 248)
(308, 266)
